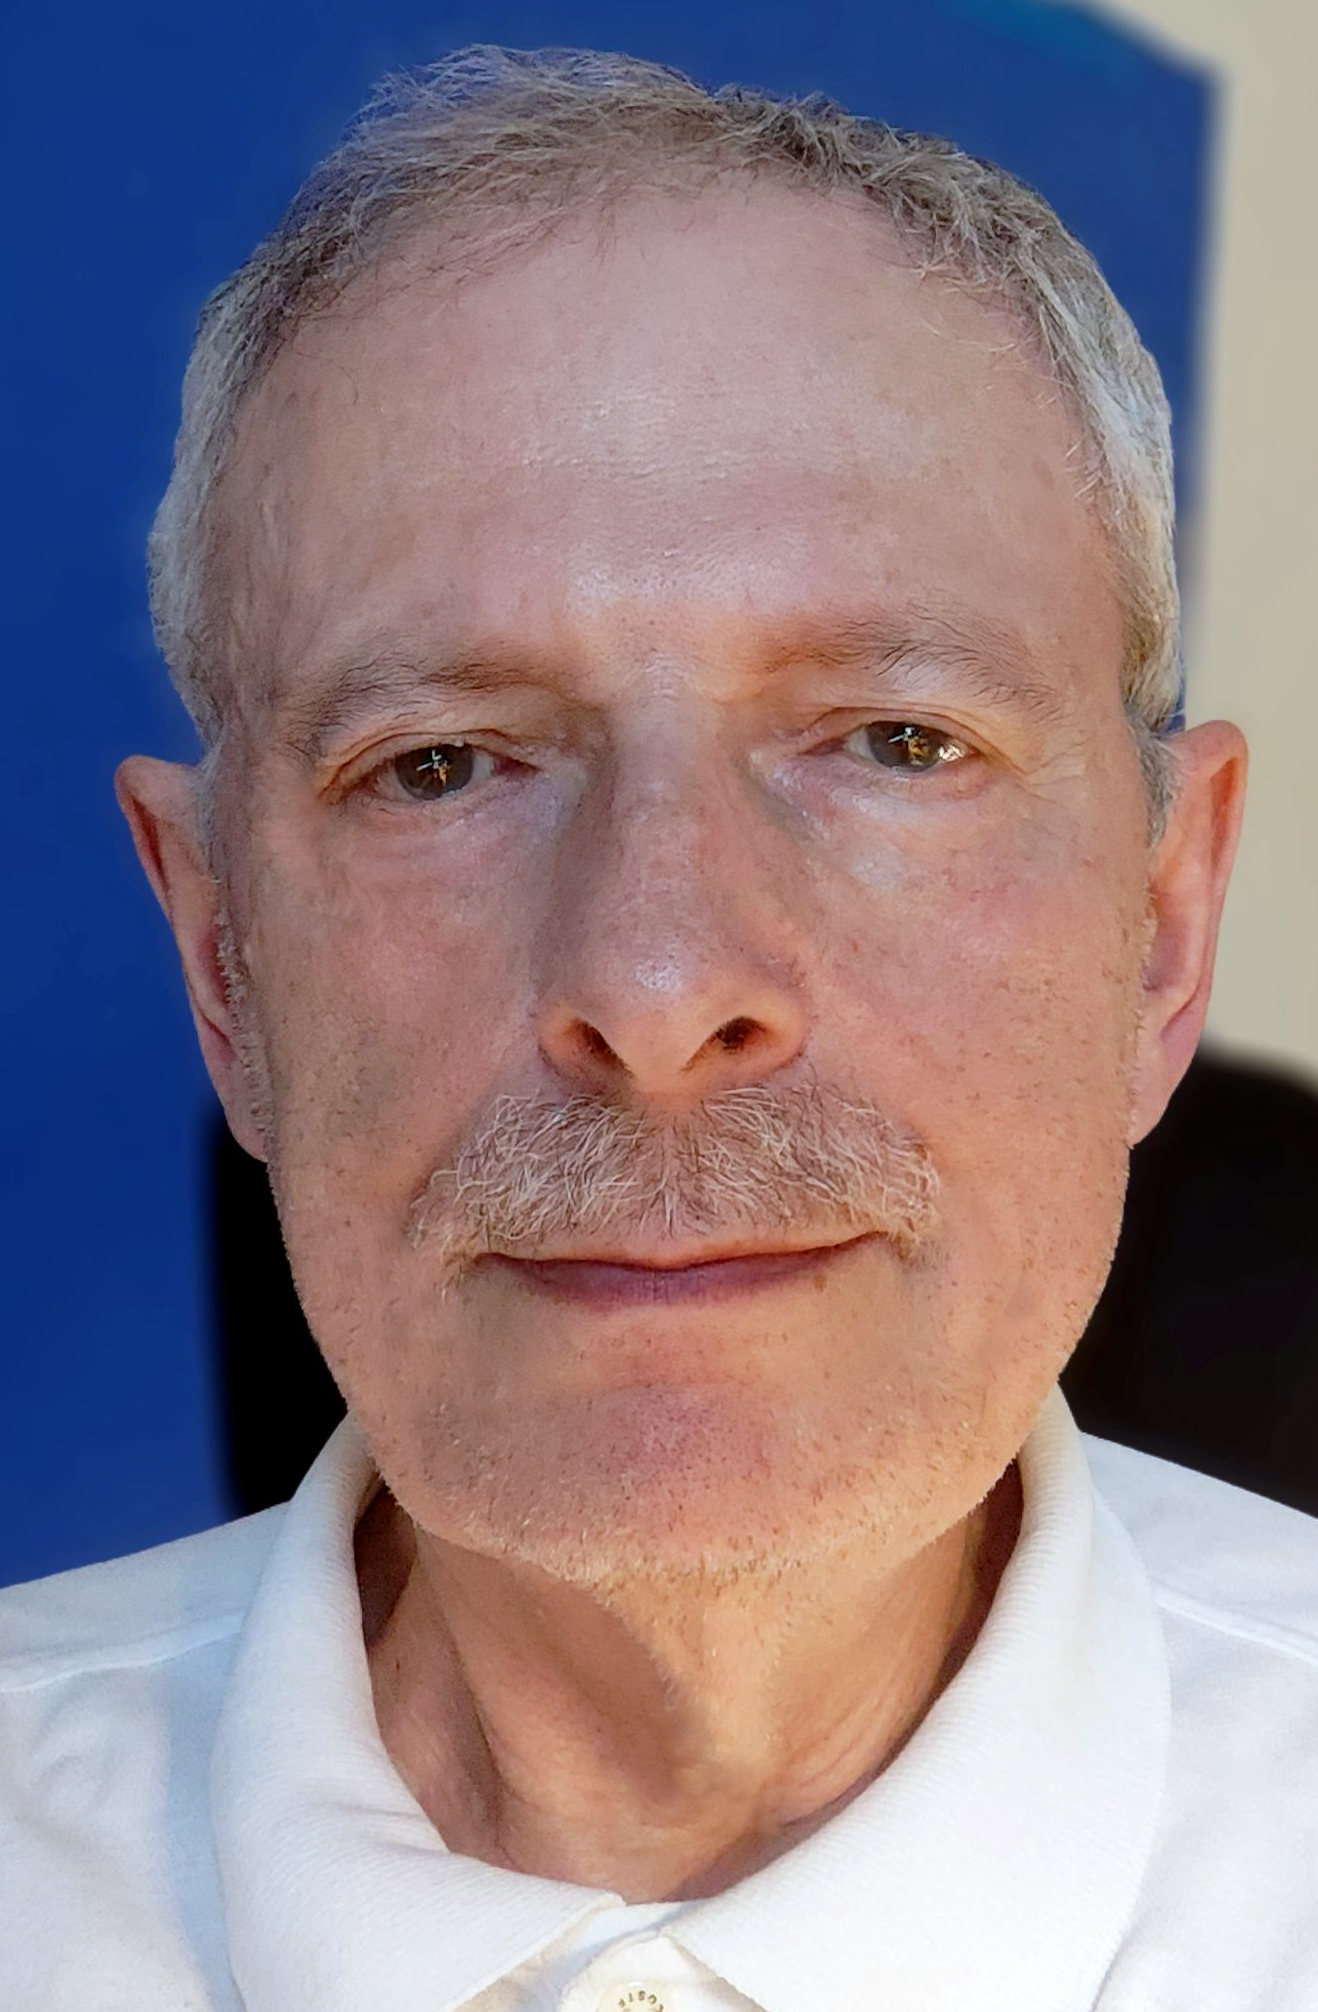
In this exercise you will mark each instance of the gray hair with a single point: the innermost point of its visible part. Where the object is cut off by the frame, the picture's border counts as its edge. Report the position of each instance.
(496, 145)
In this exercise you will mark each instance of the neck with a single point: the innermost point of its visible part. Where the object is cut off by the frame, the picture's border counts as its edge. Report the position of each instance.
(658, 1740)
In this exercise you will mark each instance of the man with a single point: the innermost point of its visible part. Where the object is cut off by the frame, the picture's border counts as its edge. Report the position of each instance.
(693, 894)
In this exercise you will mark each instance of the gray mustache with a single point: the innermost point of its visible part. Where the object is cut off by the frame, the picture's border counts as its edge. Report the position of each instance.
(534, 1174)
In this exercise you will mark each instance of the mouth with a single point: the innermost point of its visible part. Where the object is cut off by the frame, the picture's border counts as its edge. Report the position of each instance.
(607, 1283)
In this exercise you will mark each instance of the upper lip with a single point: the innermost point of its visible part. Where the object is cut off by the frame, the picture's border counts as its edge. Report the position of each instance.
(682, 1258)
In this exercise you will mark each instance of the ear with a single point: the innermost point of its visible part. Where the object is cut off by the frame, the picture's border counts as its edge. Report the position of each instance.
(159, 799)
(1187, 887)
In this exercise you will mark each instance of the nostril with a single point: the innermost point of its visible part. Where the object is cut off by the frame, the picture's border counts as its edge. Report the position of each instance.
(734, 1034)
(595, 1044)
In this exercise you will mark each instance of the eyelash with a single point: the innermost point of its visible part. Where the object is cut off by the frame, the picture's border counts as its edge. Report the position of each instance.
(895, 733)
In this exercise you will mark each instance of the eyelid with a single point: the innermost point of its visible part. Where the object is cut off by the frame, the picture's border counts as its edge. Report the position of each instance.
(842, 718)
(920, 720)
(359, 774)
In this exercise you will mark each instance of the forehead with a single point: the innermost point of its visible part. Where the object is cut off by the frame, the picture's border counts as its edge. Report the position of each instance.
(705, 410)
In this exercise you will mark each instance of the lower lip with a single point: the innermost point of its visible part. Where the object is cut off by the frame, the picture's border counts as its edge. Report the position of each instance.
(605, 1287)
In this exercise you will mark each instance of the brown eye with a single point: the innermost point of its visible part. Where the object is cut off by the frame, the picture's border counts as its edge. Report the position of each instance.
(903, 744)
(428, 773)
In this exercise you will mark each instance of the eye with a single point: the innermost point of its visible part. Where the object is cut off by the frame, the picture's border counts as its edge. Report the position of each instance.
(427, 774)
(905, 745)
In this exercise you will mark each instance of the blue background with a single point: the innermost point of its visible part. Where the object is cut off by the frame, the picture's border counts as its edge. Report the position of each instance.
(153, 145)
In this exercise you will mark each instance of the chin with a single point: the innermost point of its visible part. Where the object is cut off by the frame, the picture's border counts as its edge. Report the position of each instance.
(715, 1482)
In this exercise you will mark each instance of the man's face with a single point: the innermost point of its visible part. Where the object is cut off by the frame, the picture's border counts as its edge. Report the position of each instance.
(675, 663)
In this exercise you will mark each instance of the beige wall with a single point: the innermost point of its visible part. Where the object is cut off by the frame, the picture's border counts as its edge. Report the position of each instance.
(1253, 621)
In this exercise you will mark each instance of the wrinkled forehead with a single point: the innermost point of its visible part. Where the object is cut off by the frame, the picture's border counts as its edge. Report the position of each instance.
(706, 408)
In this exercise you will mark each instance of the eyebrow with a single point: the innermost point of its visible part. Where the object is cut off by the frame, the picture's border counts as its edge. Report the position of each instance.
(352, 685)
(990, 663)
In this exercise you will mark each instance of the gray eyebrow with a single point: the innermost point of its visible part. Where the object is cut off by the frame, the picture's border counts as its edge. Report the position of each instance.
(351, 685)
(990, 661)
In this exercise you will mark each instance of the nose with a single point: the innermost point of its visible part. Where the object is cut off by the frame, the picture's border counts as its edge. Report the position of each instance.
(672, 968)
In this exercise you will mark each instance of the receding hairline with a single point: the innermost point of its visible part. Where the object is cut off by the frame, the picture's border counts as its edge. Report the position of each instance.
(435, 256)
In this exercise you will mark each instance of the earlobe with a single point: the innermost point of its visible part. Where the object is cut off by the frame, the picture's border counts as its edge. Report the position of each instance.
(1187, 888)
(159, 800)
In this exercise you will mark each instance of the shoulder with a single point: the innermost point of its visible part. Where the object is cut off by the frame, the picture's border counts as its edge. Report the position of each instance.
(1225, 1915)
(1218, 1557)
(133, 1611)
(111, 1679)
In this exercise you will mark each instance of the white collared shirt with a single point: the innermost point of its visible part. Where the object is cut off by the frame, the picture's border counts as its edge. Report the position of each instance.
(1113, 1805)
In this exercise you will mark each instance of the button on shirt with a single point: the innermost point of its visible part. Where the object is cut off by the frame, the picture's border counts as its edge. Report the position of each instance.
(1113, 1805)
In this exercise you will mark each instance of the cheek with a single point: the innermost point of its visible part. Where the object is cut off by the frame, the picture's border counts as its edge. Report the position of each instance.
(383, 1033)
(998, 1005)
(974, 939)
(384, 1011)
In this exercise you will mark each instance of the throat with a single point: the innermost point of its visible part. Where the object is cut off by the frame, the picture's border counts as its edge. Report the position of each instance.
(617, 1740)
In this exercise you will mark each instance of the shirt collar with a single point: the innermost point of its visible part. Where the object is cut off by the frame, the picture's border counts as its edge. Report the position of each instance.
(995, 1862)
(338, 1891)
